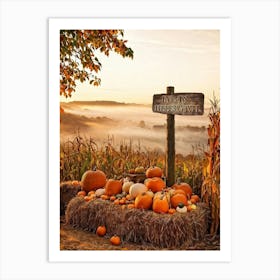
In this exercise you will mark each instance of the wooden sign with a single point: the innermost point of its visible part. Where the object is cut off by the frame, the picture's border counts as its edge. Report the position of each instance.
(188, 103)
(176, 104)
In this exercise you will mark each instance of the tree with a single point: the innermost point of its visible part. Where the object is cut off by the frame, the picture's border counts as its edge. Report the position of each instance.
(78, 61)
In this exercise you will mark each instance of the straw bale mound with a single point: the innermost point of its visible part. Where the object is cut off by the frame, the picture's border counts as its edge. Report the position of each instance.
(139, 226)
(67, 192)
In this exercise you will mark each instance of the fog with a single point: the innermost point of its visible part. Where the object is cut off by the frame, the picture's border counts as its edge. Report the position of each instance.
(124, 123)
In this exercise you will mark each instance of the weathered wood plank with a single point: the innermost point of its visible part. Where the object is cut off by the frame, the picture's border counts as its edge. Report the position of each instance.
(188, 103)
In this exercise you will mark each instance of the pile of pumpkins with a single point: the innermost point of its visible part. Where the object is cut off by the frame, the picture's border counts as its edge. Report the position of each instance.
(152, 194)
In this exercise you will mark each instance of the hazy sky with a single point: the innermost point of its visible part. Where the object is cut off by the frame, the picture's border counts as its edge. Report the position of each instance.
(189, 60)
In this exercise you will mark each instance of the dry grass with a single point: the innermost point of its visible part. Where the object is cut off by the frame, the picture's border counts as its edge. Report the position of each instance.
(139, 226)
(81, 154)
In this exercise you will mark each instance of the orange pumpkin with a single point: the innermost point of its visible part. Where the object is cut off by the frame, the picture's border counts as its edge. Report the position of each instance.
(195, 197)
(185, 187)
(93, 180)
(160, 204)
(112, 198)
(75, 183)
(171, 211)
(153, 171)
(143, 201)
(81, 193)
(130, 206)
(155, 184)
(113, 187)
(115, 240)
(178, 198)
(101, 230)
(87, 198)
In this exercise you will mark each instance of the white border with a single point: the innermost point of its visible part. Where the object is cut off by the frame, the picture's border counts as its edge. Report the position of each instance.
(222, 24)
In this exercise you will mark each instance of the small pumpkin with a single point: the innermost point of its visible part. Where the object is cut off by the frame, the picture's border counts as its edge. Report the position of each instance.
(112, 198)
(126, 186)
(130, 206)
(183, 186)
(181, 208)
(81, 193)
(75, 183)
(143, 201)
(178, 198)
(101, 230)
(153, 171)
(136, 189)
(139, 170)
(99, 192)
(150, 193)
(160, 204)
(195, 197)
(87, 198)
(93, 180)
(155, 184)
(113, 187)
(115, 240)
(171, 211)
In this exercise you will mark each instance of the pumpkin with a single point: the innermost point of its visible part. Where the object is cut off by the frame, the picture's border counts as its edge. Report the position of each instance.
(155, 184)
(160, 204)
(130, 206)
(81, 193)
(153, 171)
(99, 192)
(87, 198)
(112, 198)
(171, 211)
(101, 230)
(115, 240)
(178, 198)
(193, 200)
(139, 170)
(150, 193)
(181, 208)
(183, 186)
(136, 189)
(93, 180)
(113, 187)
(143, 201)
(195, 197)
(75, 183)
(126, 185)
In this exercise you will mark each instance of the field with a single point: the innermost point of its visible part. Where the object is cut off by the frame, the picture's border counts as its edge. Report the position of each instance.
(117, 142)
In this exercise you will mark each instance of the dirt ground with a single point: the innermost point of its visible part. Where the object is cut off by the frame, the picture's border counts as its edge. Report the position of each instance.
(76, 239)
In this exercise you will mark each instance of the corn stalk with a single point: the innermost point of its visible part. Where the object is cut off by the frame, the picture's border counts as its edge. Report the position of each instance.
(210, 190)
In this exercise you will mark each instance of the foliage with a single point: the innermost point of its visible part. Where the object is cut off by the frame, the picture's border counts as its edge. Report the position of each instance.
(78, 61)
(210, 191)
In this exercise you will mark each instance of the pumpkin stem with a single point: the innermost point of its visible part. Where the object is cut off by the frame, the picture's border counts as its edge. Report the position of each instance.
(94, 168)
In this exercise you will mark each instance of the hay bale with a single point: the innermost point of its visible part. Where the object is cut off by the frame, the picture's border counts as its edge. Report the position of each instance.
(140, 226)
(67, 192)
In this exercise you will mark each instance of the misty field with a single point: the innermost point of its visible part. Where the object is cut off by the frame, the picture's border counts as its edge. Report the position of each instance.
(118, 138)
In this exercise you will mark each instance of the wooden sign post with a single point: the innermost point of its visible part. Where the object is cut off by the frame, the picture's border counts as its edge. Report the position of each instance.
(188, 103)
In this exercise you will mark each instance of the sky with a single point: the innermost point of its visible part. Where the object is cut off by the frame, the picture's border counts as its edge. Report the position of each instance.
(189, 60)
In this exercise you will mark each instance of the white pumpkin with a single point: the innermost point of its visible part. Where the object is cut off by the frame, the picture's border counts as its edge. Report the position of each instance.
(100, 192)
(126, 186)
(136, 189)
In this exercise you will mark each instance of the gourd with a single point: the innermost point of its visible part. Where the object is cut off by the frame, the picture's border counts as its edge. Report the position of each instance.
(113, 187)
(155, 184)
(143, 201)
(153, 171)
(93, 180)
(181, 208)
(136, 189)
